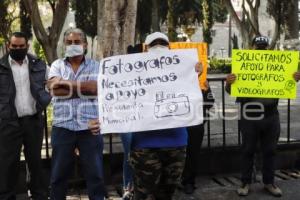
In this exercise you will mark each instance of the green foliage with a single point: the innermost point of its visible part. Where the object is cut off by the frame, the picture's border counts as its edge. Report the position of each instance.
(183, 13)
(2, 40)
(144, 19)
(25, 21)
(86, 16)
(38, 50)
(207, 20)
(49, 115)
(219, 11)
(219, 65)
(172, 22)
(4, 19)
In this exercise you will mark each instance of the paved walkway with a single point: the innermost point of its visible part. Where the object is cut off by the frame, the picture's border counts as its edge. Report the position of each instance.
(227, 191)
(221, 187)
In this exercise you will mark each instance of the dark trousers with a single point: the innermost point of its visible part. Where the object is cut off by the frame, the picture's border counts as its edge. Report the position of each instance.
(157, 172)
(195, 138)
(90, 147)
(27, 131)
(265, 131)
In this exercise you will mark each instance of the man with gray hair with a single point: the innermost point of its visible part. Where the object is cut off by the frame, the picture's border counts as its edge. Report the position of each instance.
(73, 85)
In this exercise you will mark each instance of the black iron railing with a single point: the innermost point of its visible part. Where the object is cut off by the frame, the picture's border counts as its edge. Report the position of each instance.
(221, 80)
(223, 103)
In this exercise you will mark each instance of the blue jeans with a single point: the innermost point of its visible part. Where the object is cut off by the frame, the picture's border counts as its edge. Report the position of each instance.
(127, 170)
(90, 147)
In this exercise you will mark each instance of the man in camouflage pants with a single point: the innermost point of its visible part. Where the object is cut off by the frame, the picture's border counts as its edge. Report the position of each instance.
(157, 172)
(157, 157)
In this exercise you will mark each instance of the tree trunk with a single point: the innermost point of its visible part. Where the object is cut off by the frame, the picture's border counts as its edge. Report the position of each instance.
(155, 16)
(248, 25)
(100, 10)
(291, 20)
(275, 9)
(25, 21)
(171, 21)
(117, 29)
(49, 37)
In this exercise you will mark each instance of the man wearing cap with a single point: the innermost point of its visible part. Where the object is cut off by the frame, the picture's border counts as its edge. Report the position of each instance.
(157, 157)
(259, 122)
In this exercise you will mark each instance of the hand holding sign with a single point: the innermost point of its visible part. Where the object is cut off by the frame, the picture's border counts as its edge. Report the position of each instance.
(297, 76)
(149, 91)
(230, 79)
(264, 73)
(94, 126)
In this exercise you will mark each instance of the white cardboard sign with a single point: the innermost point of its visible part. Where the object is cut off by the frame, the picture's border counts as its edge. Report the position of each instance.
(149, 91)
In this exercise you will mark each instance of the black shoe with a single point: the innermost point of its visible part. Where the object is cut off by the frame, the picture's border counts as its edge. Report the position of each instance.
(188, 189)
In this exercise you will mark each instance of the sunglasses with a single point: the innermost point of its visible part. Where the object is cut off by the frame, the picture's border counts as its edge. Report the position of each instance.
(159, 42)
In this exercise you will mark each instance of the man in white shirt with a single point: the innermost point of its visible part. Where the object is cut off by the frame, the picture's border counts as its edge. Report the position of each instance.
(22, 99)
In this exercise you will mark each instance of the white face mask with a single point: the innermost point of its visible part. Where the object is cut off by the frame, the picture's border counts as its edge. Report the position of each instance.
(158, 48)
(74, 50)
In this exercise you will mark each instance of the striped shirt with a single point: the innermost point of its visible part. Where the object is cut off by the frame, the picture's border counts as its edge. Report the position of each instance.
(74, 113)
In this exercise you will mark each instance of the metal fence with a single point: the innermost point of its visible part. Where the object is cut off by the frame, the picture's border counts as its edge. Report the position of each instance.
(224, 133)
(223, 108)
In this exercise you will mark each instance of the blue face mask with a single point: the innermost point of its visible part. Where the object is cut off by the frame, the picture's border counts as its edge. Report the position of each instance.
(74, 50)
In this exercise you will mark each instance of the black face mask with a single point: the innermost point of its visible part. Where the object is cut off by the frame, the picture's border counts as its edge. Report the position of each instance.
(18, 54)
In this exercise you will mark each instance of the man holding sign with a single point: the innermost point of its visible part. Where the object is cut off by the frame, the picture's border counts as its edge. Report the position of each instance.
(158, 156)
(258, 80)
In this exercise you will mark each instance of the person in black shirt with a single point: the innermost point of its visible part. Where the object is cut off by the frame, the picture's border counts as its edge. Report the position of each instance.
(259, 122)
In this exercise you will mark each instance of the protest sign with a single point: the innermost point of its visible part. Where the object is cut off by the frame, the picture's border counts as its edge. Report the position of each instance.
(202, 56)
(264, 73)
(149, 91)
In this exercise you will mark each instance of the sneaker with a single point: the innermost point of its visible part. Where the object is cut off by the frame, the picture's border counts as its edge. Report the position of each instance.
(127, 195)
(243, 190)
(188, 189)
(273, 190)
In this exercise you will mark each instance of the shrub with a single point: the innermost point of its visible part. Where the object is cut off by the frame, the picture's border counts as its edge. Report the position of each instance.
(38, 50)
(1, 41)
(219, 65)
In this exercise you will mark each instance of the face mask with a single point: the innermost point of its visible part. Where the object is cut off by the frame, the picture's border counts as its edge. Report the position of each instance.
(74, 50)
(158, 48)
(18, 54)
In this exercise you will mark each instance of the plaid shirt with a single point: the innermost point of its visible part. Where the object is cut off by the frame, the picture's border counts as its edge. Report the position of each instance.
(74, 114)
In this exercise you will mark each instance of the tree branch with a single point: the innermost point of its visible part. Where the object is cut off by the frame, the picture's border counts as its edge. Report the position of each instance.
(233, 14)
(254, 12)
(252, 21)
(32, 8)
(59, 17)
(277, 17)
(52, 4)
(275, 36)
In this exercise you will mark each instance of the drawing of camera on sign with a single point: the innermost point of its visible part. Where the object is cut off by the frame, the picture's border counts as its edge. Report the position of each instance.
(171, 105)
